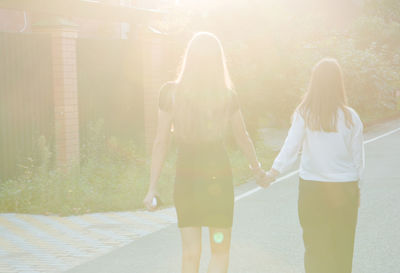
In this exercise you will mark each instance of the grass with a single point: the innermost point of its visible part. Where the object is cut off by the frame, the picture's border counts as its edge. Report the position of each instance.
(112, 177)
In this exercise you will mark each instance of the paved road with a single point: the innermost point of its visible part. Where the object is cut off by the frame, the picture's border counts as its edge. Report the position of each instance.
(267, 234)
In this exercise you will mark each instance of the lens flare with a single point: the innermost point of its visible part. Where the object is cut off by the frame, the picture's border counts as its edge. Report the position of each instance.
(218, 237)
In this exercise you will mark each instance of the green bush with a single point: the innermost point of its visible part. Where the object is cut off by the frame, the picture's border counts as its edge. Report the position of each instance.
(387, 9)
(112, 177)
(271, 87)
(273, 45)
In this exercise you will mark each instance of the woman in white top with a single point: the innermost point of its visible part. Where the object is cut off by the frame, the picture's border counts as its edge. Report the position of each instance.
(330, 136)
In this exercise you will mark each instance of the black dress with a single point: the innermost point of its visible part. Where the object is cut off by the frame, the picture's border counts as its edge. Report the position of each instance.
(203, 193)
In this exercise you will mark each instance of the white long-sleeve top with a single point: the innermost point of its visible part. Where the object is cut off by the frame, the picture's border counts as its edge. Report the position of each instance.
(326, 156)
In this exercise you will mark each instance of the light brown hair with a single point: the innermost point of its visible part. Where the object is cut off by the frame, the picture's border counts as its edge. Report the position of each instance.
(325, 96)
(204, 90)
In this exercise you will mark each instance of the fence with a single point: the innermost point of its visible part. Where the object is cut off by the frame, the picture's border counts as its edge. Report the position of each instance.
(26, 99)
(110, 88)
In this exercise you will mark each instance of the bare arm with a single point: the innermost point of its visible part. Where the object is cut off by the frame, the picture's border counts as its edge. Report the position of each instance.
(159, 152)
(244, 142)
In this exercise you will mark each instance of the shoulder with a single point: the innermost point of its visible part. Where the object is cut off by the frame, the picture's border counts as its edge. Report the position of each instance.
(297, 116)
(166, 95)
(354, 114)
(351, 110)
(167, 87)
(357, 123)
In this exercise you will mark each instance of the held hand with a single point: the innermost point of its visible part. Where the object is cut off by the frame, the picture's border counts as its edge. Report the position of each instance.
(258, 173)
(260, 176)
(266, 180)
(270, 177)
(148, 200)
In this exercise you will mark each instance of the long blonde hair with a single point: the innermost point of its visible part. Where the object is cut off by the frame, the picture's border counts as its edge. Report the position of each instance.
(325, 96)
(204, 90)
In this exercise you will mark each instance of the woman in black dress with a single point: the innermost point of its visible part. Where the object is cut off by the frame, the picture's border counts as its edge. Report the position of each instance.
(198, 108)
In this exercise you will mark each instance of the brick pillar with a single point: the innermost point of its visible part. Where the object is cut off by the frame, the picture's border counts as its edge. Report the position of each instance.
(154, 75)
(63, 39)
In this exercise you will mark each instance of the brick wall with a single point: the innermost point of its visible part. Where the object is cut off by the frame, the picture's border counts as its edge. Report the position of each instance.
(65, 91)
(65, 95)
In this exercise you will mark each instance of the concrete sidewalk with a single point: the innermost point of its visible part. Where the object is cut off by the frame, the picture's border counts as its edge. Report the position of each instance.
(38, 243)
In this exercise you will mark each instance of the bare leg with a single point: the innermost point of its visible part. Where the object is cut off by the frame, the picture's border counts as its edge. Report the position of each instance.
(220, 241)
(191, 249)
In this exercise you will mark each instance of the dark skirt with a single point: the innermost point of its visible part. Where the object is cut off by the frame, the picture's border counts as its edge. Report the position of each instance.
(328, 216)
(203, 193)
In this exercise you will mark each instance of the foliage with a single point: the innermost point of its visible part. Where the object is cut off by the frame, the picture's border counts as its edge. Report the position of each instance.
(107, 179)
(273, 45)
(112, 177)
(387, 9)
(371, 78)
